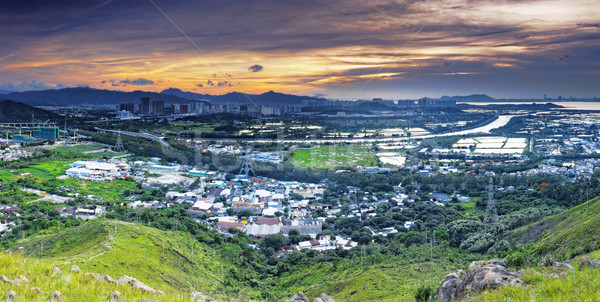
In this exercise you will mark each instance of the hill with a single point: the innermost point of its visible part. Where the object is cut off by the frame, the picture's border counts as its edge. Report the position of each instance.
(173, 262)
(11, 111)
(266, 98)
(565, 235)
(84, 95)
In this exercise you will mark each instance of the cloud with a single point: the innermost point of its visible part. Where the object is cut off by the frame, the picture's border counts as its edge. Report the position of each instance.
(224, 83)
(210, 83)
(138, 82)
(199, 85)
(28, 86)
(255, 68)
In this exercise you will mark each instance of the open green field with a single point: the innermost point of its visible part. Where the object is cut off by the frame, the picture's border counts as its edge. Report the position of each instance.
(49, 169)
(82, 148)
(333, 156)
(195, 126)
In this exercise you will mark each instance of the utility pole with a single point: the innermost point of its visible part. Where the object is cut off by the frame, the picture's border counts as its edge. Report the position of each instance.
(246, 167)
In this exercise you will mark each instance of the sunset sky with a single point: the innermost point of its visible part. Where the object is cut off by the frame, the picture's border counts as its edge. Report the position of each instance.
(337, 49)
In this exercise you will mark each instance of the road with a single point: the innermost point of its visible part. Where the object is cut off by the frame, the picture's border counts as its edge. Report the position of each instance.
(137, 134)
(500, 121)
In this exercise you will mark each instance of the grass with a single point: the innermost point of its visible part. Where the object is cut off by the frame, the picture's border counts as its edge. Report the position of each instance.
(333, 156)
(565, 235)
(109, 190)
(173, 262)
(381, 278)
(579, 285)
(49, 169)
(73, 286)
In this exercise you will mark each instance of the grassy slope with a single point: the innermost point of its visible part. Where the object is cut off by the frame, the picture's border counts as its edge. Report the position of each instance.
(565, 235)
(75, 287)
(579, 285)
(172, 262)
(391, 278)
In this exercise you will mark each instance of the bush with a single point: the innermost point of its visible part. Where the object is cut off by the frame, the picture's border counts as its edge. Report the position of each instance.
(478, 243)
(424, 293)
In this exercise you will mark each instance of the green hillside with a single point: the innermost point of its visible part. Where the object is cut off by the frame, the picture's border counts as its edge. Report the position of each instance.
(11, 111)
(173, 262)
(565, 235)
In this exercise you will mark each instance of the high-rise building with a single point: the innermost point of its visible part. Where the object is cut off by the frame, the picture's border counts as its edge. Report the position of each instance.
(158, 107)
(183, 109)
(145, 105)
(127, 107)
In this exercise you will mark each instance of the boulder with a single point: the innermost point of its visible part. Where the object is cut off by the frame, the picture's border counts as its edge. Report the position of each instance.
(115, 297)
(56, 271)
(143, 287)
(198, 297)
(324, 298)
(448, 289)
(95, 276)
(125, 280)
(109, 279)
(586, 261)
(56, 296)
(11, 297)
(562, 265)
(299, 297)
(482, 275)
(490, 276)
(75, 269)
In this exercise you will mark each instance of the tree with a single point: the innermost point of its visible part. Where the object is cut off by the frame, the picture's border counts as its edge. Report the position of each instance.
(274, 241)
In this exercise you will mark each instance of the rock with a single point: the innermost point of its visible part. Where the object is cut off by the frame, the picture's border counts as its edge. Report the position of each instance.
(143, 287)
(115, 297)
(562, 265)
(11, 297)
(75, 269)
(482, 275)
(586, 261)
(448, 289)
(95, 276)
(21, 280)
(482, 263)
(198, 297)
(36, 289)
(109, 279)
(5, 279)
(56, 271)
(324, 298)
(299, 297)
(125, 280)
(56, 296)
(489, 276)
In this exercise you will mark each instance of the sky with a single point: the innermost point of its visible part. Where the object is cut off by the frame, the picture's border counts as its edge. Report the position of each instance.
(348, 49)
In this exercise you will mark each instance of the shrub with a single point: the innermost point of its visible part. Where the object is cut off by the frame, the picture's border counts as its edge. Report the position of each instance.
(424, 293)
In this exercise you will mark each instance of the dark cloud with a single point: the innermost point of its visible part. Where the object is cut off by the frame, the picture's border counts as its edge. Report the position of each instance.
(255, 68)
(224, 83)
(30, 85)
(210, 83)
(199, 85)
(138, 82)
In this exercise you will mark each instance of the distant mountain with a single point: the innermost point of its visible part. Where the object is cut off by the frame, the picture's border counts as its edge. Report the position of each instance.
(470, 98)
(4, 91)
(266, 98)
(11, 111)
(84, 95)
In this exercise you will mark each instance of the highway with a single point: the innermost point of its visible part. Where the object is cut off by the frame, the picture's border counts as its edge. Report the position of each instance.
(137, 134)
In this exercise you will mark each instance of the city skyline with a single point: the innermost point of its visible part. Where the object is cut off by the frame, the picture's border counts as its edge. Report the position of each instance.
(346, 50)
